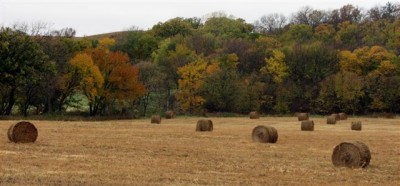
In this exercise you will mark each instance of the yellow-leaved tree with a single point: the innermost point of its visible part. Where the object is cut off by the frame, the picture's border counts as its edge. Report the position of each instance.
(378, 66)
(84, 75)
(276, 67)
(192, 78)
(366, 60)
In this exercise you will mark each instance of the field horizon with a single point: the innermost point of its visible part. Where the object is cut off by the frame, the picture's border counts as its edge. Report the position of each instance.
(135, 152)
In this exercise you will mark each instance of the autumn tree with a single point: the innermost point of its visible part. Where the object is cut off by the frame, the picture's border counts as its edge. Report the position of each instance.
(170, 56)
(342, 92)
(366, 59)
(380, 69)
(275, 73)
(120, 80)
(221, 86)
(276, 67)
(84, 76)
(191, 80)
(106, 78)
(325, 32)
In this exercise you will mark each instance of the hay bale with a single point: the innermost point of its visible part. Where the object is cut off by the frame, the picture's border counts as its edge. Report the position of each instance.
(337, 117)
(356, 125)
(342, 116)
(204, 125)
(156, 119)
(22, 132)
(331, 120)
(264, 134)
(388, 115)
(307, 125)
(204, 113)
(351, 154)
(302, 116)
(169, 114)
(254, 115)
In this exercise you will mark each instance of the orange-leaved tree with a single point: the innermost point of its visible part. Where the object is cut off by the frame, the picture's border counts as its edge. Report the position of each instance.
(121, 82)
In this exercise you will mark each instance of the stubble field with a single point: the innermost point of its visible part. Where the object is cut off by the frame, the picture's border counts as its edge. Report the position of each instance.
(135, 152)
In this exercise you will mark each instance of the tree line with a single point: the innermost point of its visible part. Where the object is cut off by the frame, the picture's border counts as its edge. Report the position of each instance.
(343, 60)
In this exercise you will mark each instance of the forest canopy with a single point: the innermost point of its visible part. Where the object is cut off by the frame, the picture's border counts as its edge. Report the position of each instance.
(318, 61)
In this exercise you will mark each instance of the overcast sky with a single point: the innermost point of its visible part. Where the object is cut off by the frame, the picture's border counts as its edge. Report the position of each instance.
(90, 17)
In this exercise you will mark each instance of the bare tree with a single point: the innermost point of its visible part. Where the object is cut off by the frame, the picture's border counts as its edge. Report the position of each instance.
(270, 23)
(302, 16)
(36, 29)
(317, 17)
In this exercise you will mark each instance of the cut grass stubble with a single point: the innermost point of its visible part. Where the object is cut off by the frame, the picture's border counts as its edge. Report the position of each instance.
(134, 152)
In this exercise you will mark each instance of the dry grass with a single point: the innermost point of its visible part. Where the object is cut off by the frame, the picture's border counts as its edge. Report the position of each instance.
(138, 153)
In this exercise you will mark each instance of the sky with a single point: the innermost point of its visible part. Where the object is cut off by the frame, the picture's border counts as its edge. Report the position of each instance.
(90, 17)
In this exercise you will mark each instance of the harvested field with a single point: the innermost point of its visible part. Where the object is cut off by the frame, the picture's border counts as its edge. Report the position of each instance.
(135, 152)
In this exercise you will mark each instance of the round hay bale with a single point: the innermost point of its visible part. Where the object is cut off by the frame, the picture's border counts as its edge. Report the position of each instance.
(22, 132)
(307, 125)
(204, 113)
(302, 116)
(254, 115)
(342, 116)
(356, 125)
(169, 114)
(337, 117)
(331, 120)
(264, 134)
(156, 119)
(204, 125)
(388, 115)
(351, 154)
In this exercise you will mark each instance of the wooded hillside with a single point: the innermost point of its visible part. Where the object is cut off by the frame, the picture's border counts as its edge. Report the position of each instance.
(342, 60)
